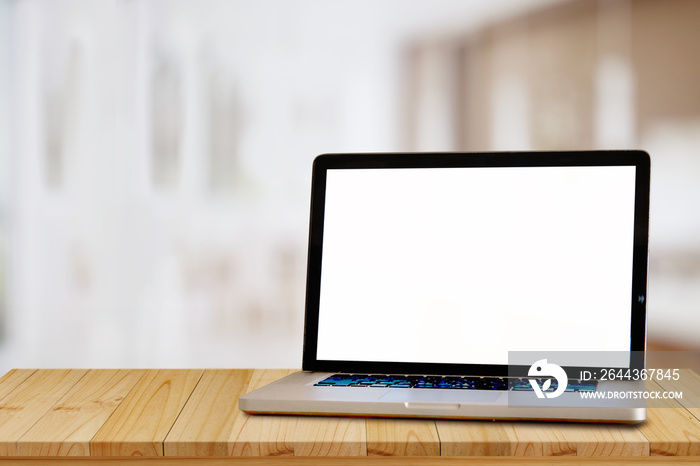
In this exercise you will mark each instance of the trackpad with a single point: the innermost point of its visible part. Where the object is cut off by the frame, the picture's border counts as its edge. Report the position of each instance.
(413, 395)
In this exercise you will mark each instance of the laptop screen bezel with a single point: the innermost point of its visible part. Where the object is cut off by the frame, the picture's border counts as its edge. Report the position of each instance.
(638, 159)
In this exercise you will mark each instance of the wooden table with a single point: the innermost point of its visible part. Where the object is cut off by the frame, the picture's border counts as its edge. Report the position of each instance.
(170, 416)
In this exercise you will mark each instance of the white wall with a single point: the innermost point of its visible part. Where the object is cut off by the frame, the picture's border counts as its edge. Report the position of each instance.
(156, 197)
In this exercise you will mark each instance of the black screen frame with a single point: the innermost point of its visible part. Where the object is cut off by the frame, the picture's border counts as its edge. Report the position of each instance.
(636, 158)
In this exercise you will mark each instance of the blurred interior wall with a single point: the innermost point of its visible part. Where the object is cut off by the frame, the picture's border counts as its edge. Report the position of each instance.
(155, 155)
(565, 68)
(666, 61)
(4, 158)
(158, 179)
(580, 74)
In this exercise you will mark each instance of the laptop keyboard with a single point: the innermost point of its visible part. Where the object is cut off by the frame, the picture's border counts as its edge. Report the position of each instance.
(457, 383)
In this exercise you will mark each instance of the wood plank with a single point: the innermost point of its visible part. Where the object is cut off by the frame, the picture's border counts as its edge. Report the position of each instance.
(402, 437)
(140, 424)
(330, 436)
(263, 435)
(207, 422)
(348, 461)
(670, 428)
(37, 400)
(540, 439)
(689, 385)
(66, 430)
(473, 438)
(564, 439)
(22, 408)
(12, 380)
(460, 438)
(608, 440)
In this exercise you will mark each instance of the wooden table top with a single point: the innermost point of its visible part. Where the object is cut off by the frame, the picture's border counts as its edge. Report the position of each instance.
(193, 413)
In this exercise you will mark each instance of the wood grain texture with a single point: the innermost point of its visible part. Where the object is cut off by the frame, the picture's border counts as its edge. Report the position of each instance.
(13, 379)
(540, 439)
(66, 430)
(351, 461)
(331, 436)
(140, 424)
(24, 406)
(568, 439)
(263, 435)
(607, 440)
(206, 424)
(194, 414)
(473, 438)
(670, 429)
(402, 437)
(689, 386)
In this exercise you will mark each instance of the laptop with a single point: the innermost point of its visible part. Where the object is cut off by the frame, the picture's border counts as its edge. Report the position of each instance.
(494, 285)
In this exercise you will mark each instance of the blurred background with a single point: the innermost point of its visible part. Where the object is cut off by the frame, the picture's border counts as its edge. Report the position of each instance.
(155, 156)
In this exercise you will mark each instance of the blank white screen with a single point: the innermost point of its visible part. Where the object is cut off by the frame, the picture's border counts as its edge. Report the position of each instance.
(461, 265)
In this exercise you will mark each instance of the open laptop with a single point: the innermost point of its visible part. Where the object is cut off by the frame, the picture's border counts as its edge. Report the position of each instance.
(472, 285)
